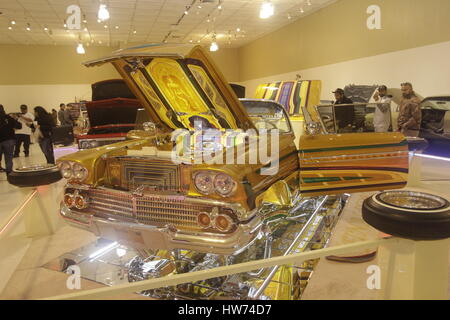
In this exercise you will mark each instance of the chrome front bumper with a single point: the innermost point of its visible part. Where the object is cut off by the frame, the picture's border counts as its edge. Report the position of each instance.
(141, 236)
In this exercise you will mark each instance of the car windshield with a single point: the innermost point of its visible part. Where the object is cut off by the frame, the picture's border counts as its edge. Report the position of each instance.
(267, 115)
(362, 117)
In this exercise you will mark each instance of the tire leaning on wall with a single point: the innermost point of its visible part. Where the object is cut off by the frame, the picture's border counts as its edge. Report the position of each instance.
(408, 214)
(34, 176)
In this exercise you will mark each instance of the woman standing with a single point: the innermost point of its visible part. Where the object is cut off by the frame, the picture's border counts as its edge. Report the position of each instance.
(44, 127)
(7, 137)
(55, 117)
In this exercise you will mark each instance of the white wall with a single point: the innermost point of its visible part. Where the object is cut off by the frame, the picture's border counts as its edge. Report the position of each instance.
(47, 96)
(428, 68)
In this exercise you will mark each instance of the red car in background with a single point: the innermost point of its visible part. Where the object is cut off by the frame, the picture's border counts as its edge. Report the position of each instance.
(110, 115)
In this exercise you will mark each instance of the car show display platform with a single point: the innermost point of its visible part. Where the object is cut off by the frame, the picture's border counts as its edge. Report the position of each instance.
(35, 267)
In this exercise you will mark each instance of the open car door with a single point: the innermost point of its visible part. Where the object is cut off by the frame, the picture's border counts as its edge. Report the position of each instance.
(332, 163)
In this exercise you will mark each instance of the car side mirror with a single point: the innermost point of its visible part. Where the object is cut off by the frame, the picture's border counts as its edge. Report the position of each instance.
(313, 128)
(149, 127)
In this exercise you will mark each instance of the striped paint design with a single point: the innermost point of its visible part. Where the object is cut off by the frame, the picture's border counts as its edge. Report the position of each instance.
(401, 144)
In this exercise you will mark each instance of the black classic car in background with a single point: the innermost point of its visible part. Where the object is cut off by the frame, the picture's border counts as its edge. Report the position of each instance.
(434, 127)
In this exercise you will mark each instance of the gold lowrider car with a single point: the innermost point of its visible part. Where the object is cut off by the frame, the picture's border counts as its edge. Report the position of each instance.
(186, 215)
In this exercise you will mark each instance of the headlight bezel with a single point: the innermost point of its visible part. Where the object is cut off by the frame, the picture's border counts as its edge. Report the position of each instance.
(215, 189)
(211, 182)
(79, 172)
(67, 169)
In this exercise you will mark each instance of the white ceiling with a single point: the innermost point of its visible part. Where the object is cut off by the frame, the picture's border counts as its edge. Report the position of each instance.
(153, 20)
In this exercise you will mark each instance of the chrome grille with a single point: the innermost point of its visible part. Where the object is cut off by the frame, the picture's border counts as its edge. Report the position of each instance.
(153, 174)
(155, 210)
(111, 203)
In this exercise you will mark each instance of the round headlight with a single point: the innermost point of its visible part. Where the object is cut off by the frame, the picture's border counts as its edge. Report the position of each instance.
(84, 145)
(79, 172)
(66, 170)
(204, 220)
(68, 200)
(93, 144)
(80, 202)
(204, 182)
(224, 184)
(223, 223)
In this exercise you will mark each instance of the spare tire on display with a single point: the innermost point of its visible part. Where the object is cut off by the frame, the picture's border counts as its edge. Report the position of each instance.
(33, 176)
(409, 214)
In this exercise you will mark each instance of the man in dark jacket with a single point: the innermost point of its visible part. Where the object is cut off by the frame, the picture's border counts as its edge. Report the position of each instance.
(345, 115)
(7, 137)
(410, 115)
(64, 116)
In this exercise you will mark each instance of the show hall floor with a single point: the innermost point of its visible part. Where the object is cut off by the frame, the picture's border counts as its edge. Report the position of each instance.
(347, 281)
(33, 279)
(11, 196)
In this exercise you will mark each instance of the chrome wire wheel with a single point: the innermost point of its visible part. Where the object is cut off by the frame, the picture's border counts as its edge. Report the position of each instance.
(35, 167)
(34, 175)
(412, 200)
(409, 214)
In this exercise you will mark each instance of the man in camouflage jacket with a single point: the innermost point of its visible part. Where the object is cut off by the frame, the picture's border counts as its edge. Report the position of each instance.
(410, 116)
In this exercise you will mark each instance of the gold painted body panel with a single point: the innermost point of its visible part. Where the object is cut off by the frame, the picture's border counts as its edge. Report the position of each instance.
(355, 162)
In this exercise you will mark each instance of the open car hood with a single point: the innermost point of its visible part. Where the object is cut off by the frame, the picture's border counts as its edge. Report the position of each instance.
(112, 111)
(180, 86)
(441, 103)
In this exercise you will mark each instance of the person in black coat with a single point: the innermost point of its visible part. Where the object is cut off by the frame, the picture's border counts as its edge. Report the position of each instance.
(45, 126)
(7, 137)
(345, 116)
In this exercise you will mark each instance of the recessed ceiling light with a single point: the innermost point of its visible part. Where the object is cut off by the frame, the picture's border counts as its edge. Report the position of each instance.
(105, 26)
(10, 28)
(13, 22)
(267, 10)
(28, 27)
(103, 13)
(45, 29)
(214, 46)
(134, 32)
(238, 29)
(117, 27)
(85, 29)
(80, 49)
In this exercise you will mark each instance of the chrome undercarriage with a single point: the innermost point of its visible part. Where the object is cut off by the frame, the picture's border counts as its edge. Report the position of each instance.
(308, 226)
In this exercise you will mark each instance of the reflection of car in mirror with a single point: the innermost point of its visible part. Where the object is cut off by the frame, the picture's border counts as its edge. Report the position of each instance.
(191, 215)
